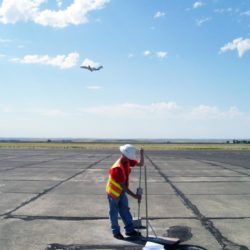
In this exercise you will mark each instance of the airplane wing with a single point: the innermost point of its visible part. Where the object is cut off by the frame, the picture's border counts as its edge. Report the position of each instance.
(100, 67)
(84, 67)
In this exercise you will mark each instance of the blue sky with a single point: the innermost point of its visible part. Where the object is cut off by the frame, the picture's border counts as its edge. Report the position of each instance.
(172, 68)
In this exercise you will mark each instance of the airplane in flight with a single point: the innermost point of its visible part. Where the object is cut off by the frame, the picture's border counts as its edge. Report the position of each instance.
(91, 68)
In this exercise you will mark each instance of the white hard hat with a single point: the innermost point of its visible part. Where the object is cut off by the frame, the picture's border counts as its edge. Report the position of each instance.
(129, 151)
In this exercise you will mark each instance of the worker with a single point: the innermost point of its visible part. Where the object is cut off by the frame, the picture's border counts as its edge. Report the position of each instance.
(118, 186)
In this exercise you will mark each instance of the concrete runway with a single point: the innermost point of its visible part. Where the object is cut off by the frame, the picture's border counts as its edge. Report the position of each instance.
(55, 199)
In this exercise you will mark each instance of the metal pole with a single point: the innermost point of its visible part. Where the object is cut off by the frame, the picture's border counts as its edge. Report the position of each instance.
(146, 198)
(139, 203)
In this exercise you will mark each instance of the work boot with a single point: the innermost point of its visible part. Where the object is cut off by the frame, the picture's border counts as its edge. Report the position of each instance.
(133, 233)
(118, 236)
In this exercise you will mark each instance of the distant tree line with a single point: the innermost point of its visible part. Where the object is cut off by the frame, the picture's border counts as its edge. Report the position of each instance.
(240, 141)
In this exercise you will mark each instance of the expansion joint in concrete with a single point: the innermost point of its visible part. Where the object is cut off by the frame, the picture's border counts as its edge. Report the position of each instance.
(227, 168)
(83, 218)
(46, 191)
(58, 218)
(225, 243)
(38, 163)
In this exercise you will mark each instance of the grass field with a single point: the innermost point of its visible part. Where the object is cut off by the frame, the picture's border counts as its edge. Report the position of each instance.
(109, 145)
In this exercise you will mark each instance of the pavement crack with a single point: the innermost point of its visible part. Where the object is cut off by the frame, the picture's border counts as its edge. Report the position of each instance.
(58, 218)
(226, 168)
(225, 243)
(83, 218)
(56, 246)
(52, 188)
(38, 163)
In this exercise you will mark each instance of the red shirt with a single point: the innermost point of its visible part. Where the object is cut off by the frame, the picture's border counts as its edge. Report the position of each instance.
(116, 173)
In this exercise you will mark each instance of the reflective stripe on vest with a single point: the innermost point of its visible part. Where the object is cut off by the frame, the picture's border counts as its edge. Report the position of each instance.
(113, 188)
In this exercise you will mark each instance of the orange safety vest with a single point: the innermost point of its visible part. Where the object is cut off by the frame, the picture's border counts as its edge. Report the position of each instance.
(113, 188)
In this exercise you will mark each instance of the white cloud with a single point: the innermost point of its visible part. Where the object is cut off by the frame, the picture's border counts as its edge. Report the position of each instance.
(206, 111)
(33, 111)
(163, 110)
(161, 54)
(246, 13)
(3, 40)
(12, 11)
(146, 53)
(239, 44)
(222, 11)
(159, 14)
(60, 61)
(7, 109)
(132, 109)
(214, 113)
(203, 20)
(128, 120)
(197, 5)
(93, 87)
(53, 113)
(89, 62)
(59, 3)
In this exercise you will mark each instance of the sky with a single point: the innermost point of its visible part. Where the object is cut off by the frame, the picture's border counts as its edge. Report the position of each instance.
(171, 69)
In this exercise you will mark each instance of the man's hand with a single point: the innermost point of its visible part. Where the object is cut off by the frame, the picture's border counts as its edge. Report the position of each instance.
(139, 193)
(141, 151)
(141, 162)
(138, 197)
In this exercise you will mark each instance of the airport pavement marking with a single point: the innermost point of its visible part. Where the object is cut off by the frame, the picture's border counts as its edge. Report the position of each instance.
(205, 221)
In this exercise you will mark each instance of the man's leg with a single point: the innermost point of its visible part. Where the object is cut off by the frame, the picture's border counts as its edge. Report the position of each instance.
(113, 215)
(125, 213)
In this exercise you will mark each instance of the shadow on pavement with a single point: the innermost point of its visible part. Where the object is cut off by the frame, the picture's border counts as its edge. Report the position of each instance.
(139, 246)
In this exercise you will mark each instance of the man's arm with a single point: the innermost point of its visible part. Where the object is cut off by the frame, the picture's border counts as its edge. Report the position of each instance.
(141, 162)
(128, 191)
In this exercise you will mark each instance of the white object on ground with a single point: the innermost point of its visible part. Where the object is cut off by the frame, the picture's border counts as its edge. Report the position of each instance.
(153, 246)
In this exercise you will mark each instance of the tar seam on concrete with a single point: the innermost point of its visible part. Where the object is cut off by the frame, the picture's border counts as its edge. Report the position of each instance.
(225, 243)
(69, 218)
(8, 214)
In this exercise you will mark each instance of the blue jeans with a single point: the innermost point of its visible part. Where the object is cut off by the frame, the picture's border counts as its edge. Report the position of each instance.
(120, 205)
